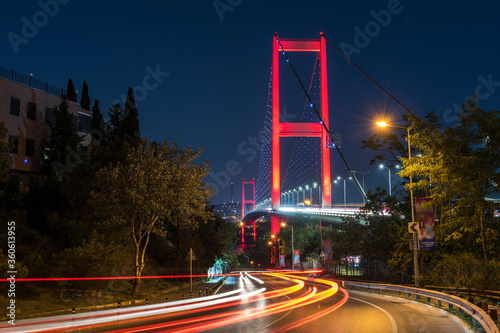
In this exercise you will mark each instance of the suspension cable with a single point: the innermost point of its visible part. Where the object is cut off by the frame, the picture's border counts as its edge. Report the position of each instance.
(369, 77)
(301, 84)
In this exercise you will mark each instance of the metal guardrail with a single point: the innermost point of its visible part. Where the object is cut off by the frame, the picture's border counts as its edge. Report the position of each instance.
(492, 295)
(474, 311)
(29, 81)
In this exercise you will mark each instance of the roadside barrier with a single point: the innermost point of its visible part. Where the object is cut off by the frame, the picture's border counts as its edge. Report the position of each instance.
(435, 298)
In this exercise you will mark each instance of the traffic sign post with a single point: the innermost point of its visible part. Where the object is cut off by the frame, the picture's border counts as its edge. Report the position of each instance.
(413, 227)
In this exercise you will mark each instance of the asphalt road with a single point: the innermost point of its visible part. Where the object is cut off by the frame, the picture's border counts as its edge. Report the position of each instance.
(361, 313)
(263, 303)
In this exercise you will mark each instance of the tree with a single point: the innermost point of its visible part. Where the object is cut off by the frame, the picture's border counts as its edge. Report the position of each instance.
(70, 91)
(216, 238)
(97, 123)
(64, 139)
(130, 125)
(388, 144)
(459, 168)
(85, 99)
(154, 185)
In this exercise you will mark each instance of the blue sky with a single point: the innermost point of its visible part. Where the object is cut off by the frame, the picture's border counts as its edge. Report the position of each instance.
(430, 55)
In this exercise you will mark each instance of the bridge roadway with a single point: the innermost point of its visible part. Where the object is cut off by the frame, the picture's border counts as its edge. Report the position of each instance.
(331, 214)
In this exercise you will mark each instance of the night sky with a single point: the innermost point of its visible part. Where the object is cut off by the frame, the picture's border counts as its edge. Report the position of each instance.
(212, 65)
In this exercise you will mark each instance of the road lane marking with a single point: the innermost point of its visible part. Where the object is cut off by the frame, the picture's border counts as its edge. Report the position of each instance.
(393, 322)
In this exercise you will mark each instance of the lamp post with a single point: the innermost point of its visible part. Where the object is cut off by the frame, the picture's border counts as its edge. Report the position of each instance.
(283, 224)
(364, 188)
(415, 236)
(298, 197)
(319, 192)
(344, 179)
(389, 169)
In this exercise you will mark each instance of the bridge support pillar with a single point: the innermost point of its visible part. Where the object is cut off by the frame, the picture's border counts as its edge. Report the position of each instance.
(316, 129)
(275, 225)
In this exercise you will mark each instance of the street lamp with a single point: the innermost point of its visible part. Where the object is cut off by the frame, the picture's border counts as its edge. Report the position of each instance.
(344, 179)
(319, 192)
(283, 224)
(364, 188)
(389, 169)
(415, 236)
(298, 198)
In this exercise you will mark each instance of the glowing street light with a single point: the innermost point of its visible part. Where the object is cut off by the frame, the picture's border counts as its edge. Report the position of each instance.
(415, 236)
(344, 179)
(389, 169)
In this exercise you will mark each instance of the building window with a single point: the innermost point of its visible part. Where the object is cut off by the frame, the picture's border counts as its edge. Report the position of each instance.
(15, 106)
(31, 111)
(30, 148)
(13, 140)
(50, 117)
(84, 123)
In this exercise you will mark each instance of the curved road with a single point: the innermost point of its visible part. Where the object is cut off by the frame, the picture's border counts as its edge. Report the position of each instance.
(260, 302)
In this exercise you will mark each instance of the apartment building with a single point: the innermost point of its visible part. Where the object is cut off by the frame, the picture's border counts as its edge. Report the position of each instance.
(26, 108)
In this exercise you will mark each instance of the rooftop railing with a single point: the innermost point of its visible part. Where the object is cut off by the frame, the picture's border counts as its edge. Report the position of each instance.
(29, 81)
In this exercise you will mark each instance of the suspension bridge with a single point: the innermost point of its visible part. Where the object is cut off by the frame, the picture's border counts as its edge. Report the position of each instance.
(303, 184)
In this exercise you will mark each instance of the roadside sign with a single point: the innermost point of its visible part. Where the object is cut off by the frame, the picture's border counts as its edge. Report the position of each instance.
(322, 255)
(413, 227)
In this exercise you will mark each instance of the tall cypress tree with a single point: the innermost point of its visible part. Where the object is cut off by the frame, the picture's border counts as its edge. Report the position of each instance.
(114, 128)
(70, 91)
(64, 138)
(85, 100)
(97, 122)
(130, 125)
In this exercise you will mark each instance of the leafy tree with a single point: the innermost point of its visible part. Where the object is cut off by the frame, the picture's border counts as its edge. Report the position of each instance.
(96, 257)
(154, 185)
(70, 91)
(85, 99)
(306, 237)
(459, 168)
(216, 238)
(388, 145)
